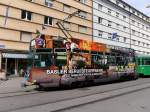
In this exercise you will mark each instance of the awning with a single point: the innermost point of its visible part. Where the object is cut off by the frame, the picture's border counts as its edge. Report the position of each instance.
(16, 56)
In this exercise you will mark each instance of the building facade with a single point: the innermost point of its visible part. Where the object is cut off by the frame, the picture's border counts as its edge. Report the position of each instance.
(20, 19)
(116, 23)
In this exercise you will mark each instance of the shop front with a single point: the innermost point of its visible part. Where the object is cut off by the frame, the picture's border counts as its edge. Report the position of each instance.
(14, 64)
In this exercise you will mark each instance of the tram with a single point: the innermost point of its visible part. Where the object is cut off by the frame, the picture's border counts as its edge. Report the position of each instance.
(143, 65)
(57, 62)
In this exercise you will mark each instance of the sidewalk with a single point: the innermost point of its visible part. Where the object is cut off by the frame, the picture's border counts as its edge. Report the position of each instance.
(12, 85)
(1, 81)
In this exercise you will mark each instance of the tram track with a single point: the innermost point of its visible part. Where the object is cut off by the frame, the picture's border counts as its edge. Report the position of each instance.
(30, 92)
(18, 93)
(81, 96)
(26, 92)
(99, 100)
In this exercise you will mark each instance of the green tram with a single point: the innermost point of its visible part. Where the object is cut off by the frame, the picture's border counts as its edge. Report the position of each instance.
(143, 65)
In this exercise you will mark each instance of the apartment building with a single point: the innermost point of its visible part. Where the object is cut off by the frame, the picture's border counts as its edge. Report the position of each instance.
(117, 23)
(20, 19)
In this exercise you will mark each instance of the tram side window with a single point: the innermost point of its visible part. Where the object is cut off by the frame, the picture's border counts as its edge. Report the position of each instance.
(143, 61)
(61, 60)
(147, 62)
(99, 61)
(126, 61)
(139, 62)
(96, 59)
(119, 60)
(111, 60)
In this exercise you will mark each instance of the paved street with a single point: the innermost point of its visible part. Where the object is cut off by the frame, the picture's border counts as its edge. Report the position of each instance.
(124, 94)
(135, 102)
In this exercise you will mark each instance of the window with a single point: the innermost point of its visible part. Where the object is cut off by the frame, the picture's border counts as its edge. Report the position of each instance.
(49, 3)
(48, 20)
(143, 26)
(100, 33)
(109, 11)
(124, 28)
(133, 32)
(117, 26)
(82, 1)
(138, 33)
(139, 42)
(66, 25)
(117, 14)
(133, 11)
(109, 23)
(66, 8)
(147, 36)
(109, 36)
(117, 39)
(147, 45)
(117, 2)
(134, 42)
(124, 39)
(100, 7)
(82, 29)
(99, 20)
(133, 21)
(43, 60)
(143, 35)
(124, 6)
(147, 19)
(124, 17)
(25, 36)
(26, 15)
(82, 14)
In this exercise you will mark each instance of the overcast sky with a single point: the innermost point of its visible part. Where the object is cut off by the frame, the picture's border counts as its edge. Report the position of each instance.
(140, 5)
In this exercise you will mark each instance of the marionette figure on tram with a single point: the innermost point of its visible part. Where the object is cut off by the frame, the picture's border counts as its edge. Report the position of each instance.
(70, 46)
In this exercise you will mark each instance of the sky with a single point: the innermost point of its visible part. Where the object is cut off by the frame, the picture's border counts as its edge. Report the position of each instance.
(140, 5)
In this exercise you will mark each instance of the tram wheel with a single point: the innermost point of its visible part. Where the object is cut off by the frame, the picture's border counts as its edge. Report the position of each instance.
(40, 87)
(73, 85)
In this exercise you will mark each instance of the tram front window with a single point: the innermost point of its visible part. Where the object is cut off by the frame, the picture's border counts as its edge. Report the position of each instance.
(43, 60)
(131, 59)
